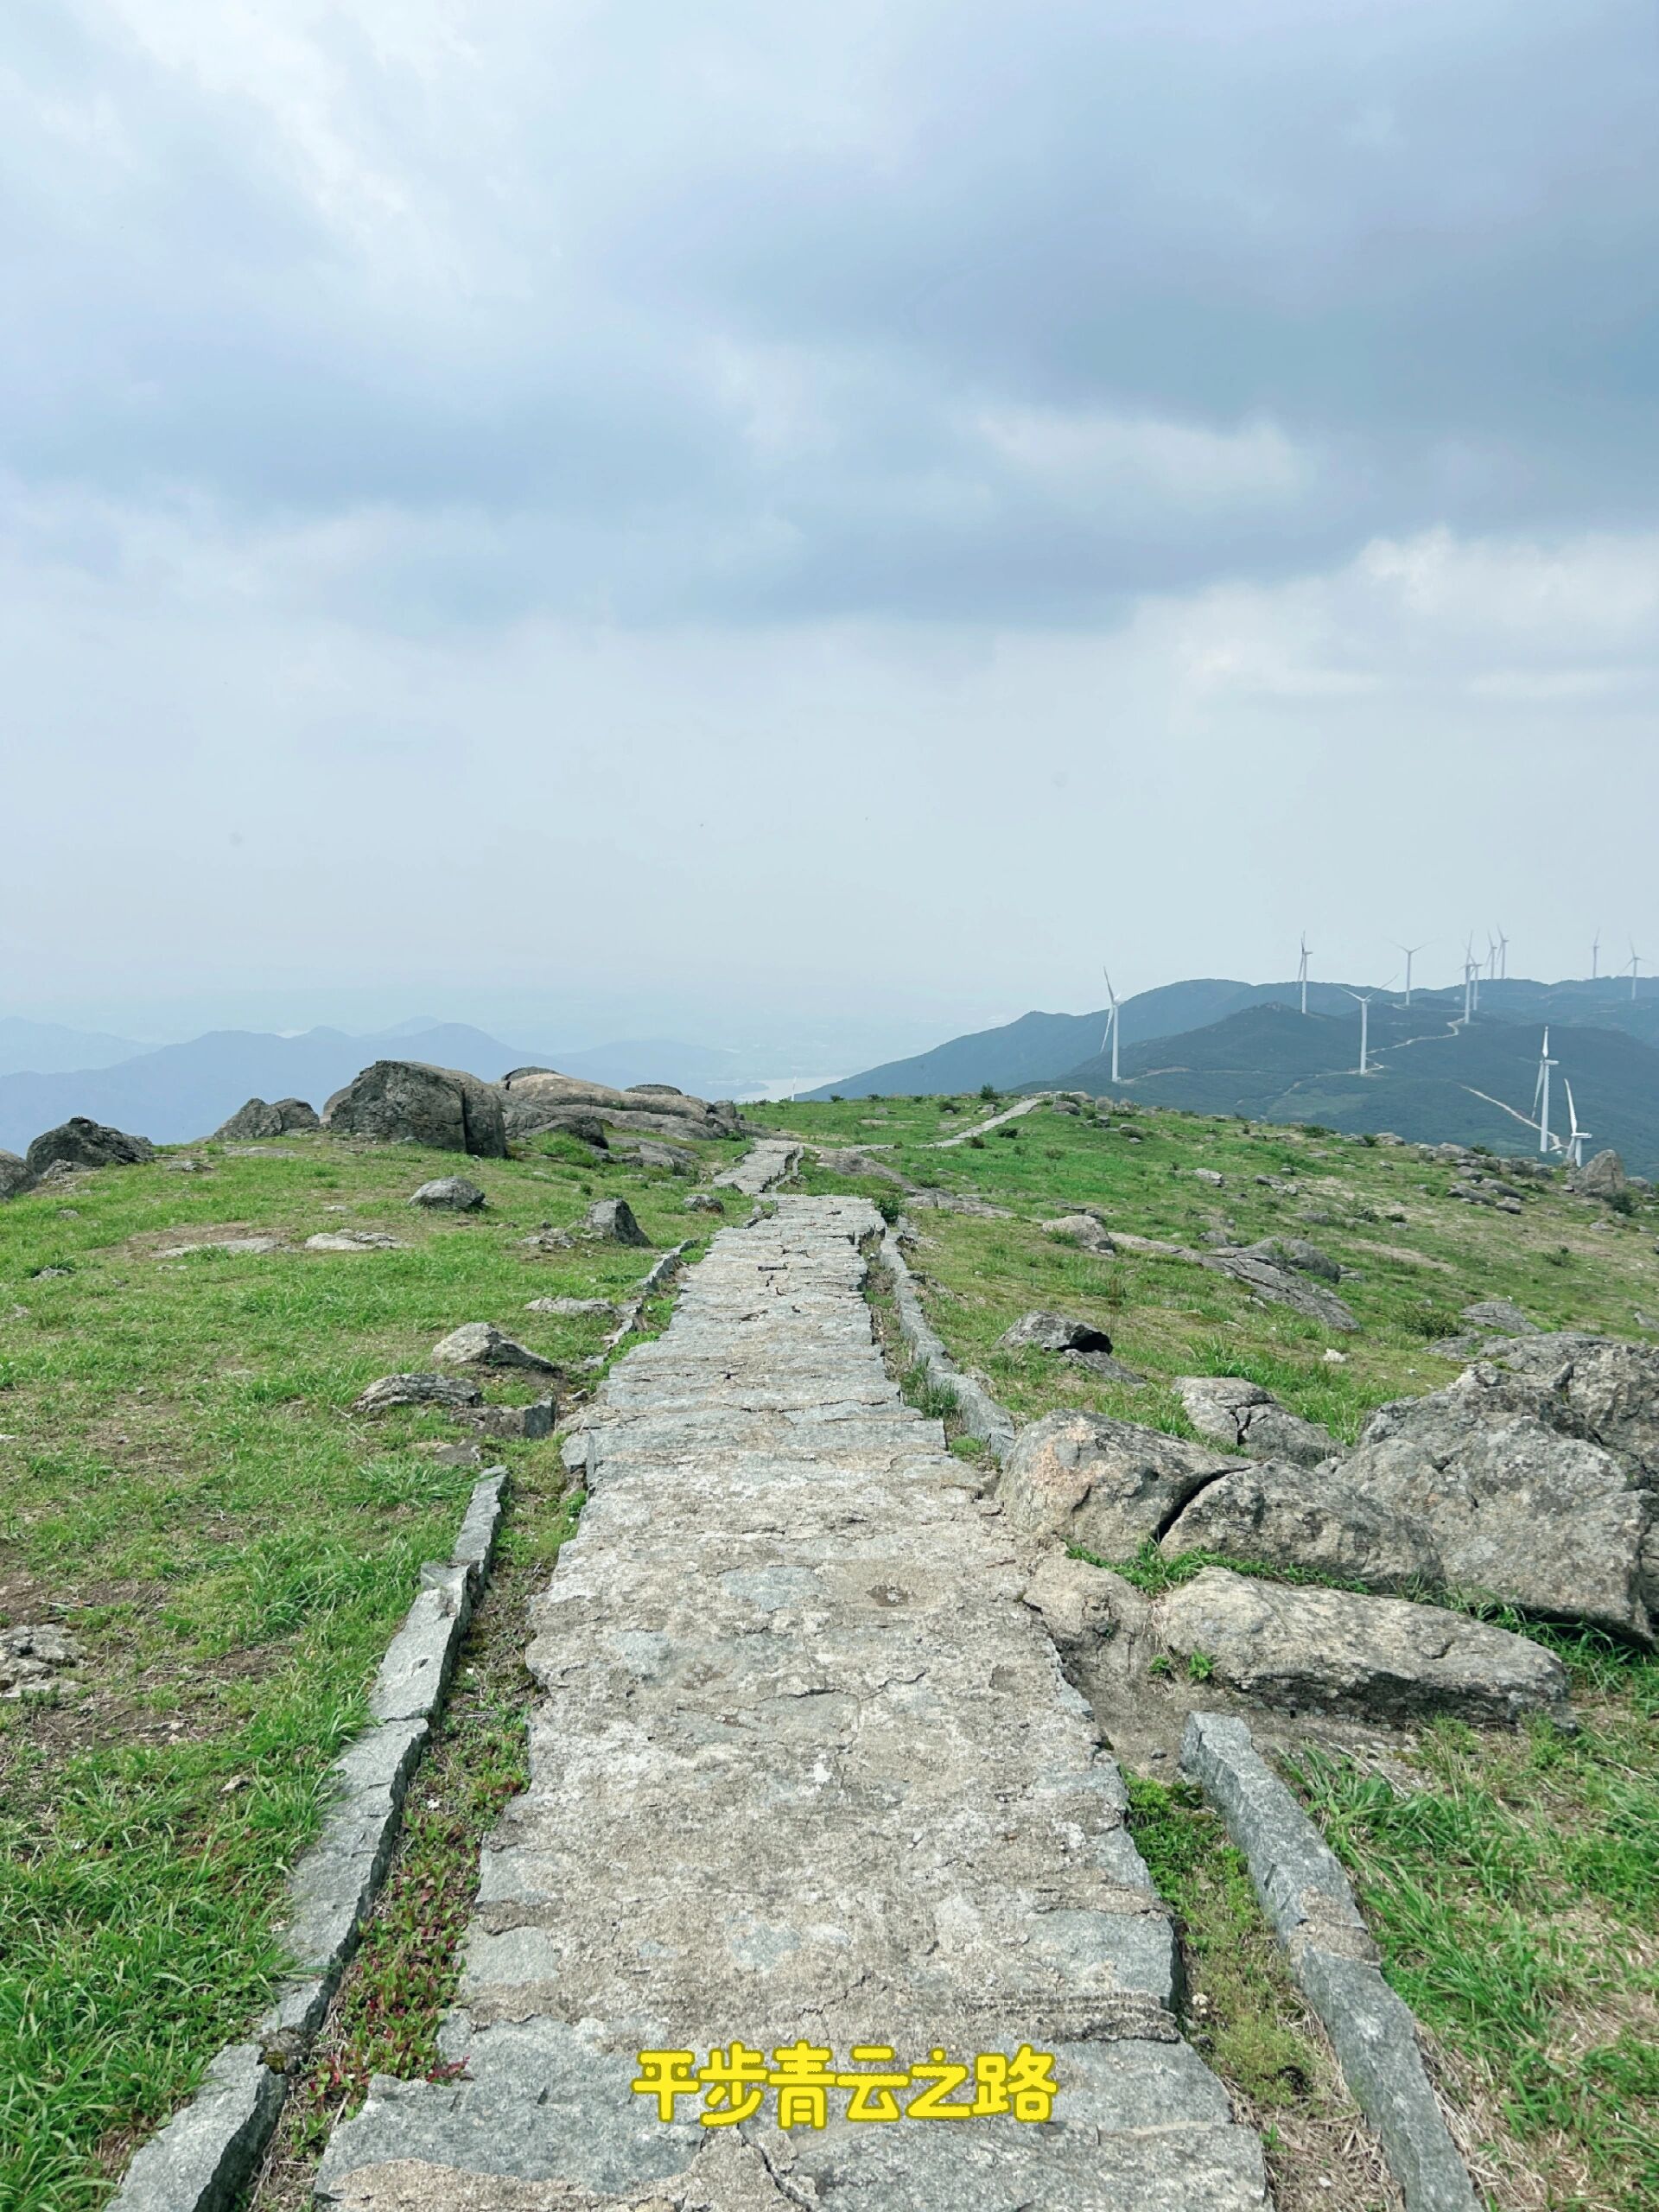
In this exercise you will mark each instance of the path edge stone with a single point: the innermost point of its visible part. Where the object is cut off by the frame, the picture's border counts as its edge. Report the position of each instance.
(1306, 1896)
(982, 1416)
(204, 2154)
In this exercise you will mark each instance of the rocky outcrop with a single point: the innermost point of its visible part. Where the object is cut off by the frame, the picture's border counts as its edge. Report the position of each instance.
(1610, 1390)
(403, 1102)
(80, 1143)
(1282, 1286)
(1296, 1253)
(1502, 1473)
(613, 1220)
(540, 1098)
(1278, 1515)
(1084, 1230)
(415, 1390)
(480, 1343)
(1080, 1343)
(14, 1175)
(1330, 1652)
(256, 1120)
(1104, 1485)
(1242, 1416)
(451, 1193)
(1604, 1177)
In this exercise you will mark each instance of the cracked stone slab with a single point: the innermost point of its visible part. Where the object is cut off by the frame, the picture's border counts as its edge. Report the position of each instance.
(763, 1164)
(802, 1763)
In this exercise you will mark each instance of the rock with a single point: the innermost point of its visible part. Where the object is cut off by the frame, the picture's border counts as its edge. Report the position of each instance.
(353, 1239)
(1243, 1416)
(574, 1122)
(256, 1120)
(480, 1343)
(415, 1390)
(1297, 1254)
(1275, 1515)
(1207, 1175)
(535, 1098)
(852, 1161)
(612, 1218)
(703, 1202)
(80, 1143)
(1053, 1332)
(652, 1152)
(1502, 1474)
(512, 1424)
(31, 1657)
(1084, 1607)
(1331, 1651)
(574, 1308)
(453, 1191)
(253, 1247)
(452, 1455)
(403, 1102)
(1501, 1316)
(1105, 1485)
(1083, 1231)
(1604, 1177)
(1611, 1389)
(14, 1175)
(1280, 1287)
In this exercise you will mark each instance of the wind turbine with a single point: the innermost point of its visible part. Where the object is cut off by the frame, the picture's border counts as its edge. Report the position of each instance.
(1577, 1138)
(1364, 1000)
(1636, 962)
(1491, 957)
(1411, 952)
(1595, 957)
(1110, 1038)
(1541, 1092)
(1471, 980)
(1502, 956)
(1301, 972)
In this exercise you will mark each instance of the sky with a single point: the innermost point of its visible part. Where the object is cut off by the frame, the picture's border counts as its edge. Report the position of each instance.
(817, 522)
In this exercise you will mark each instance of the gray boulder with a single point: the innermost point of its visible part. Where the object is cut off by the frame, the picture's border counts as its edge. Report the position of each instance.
(1084, 1230)
(1106, 1485)
(415, 1390)
(535, 1098)
(612, 1218)
(655, 1151)
(403, 1102)
(1604, 1177)
(1297, 1254)
(454, 1193)
(512, 1424)
(1608, 1391)
(576, 1308)
(1501, 1316)
(1501, 1473)
(480, 1343)
(1330, 1652)
(1282, 1286)
(1080, 1343)
(571, 1122)
(14, 1175)
(1243, 1416)
(257, 1120)
(80, 1143)
(703, 1202)
(1273, 1515)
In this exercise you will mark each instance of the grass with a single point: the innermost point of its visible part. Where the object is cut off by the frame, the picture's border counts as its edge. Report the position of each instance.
(1512, 1881)
(183, 1485)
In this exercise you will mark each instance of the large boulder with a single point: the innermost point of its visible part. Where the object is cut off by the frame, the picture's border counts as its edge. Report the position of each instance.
(1080, 1343)
(1242, 1416)
(613, 1220)
(1604, 1177)
(1274, 1514)
(1330, 1652)
(1104, 1485)
(1609, 1389)
(1283, 1285)
(540, 1098)
(403, 1102)
(1502, 1475)
(14, 1175)
(256, 1119)
(449, 1193)
(1297, 1254)
(415, 1390)
(1084, 1230)
(480, 1343)
(81, 1143)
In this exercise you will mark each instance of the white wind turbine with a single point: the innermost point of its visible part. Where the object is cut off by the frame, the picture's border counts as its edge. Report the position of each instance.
(1491, 957)
(1540, 1093)
(1301, 972)
(1364, 1000)
(1502, 956)
(1595, 957)
(1110, 1038)
(1471, 980)
(1636, 962)
(1577, 1138)
(1411, 952)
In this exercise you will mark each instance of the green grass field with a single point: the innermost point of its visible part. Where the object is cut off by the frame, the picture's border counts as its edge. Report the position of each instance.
(1514, 1885)
(183, 1487)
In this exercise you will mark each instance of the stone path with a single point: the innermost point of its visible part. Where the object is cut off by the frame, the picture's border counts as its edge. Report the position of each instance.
(805, 1766)
(763, 1164)
(1008, 1114)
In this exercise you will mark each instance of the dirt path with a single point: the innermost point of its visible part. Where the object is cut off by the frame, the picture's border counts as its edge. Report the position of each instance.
(805, 1767)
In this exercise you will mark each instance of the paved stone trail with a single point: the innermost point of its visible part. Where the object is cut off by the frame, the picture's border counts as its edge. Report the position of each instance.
(805, 1766)
(1008, 1114)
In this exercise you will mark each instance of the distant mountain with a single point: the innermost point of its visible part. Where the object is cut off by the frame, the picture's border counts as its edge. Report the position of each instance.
(48, 1048)
(1428, 1081)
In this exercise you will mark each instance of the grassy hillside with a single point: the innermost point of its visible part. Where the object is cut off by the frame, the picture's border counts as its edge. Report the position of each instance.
(183, 1487)
(1511, 1879)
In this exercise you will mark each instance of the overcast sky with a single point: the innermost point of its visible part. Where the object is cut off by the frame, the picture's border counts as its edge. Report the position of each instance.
(670, 517)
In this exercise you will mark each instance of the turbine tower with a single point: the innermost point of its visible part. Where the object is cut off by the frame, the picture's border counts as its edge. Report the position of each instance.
(1595, 957)
(1577, 1138)
(1471, 980)
(1364, 1001)
(1636, 962)
(1541, 1092)
(1411, 952)
(1503, 956)
(1301, 972)
(1110, 1038)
